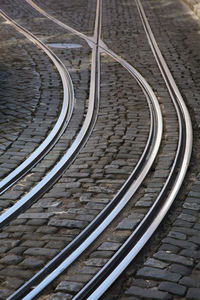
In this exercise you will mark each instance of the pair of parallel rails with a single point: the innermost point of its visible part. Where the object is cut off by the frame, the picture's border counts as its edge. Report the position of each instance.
(128, 251)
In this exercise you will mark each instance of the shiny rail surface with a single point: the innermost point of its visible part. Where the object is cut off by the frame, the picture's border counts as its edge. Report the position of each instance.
(118, 263)
(98, 225)
(62, 122)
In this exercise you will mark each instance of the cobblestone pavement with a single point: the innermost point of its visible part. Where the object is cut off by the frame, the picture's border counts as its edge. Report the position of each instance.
(169, 267)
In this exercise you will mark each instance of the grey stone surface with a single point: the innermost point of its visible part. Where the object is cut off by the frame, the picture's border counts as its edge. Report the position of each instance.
(41, 252)
(193, 294)
(109, 246)
(11, 259)
(180, 269)
(67, 286)
(32, 263)
(60, 296)
(156, 263)
(164, 255)
(159, 274)
(172, 288)
(190, 282)
(147, 294)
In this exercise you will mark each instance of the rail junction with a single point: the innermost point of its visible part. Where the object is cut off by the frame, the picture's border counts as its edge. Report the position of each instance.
(100, 182)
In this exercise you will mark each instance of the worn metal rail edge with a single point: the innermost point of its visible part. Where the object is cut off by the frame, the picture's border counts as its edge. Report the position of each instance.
(62, 122)
(117, 264)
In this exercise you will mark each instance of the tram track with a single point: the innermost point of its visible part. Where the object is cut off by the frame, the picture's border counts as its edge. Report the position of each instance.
(144, 158)
(131, 184)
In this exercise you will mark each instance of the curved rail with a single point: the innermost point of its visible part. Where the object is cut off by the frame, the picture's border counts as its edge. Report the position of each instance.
(62, 122)
(117, 264)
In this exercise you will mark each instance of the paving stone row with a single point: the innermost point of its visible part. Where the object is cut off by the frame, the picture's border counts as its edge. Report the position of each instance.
(25, 98)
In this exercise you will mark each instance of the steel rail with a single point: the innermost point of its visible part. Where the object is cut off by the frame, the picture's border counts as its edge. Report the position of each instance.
(76, 146)
(62, 122)
(129, 250)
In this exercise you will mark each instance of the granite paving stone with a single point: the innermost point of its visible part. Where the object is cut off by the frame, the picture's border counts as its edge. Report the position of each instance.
(193, 294)
(190, 282)
(148, 272)
(172, 288)
(180, 269)
(61, 296)
(41, 252)
(147, 293)
(164, 255)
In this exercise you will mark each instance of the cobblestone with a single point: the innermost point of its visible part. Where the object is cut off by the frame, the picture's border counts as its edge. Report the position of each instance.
(193, 294)
(41, 252)
(164, 255)
(147, 294)
(71, 287)
(172, 288)
(159, 274)
(32, 263)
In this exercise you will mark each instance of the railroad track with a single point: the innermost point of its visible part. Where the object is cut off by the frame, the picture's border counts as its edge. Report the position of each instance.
(99, 284)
